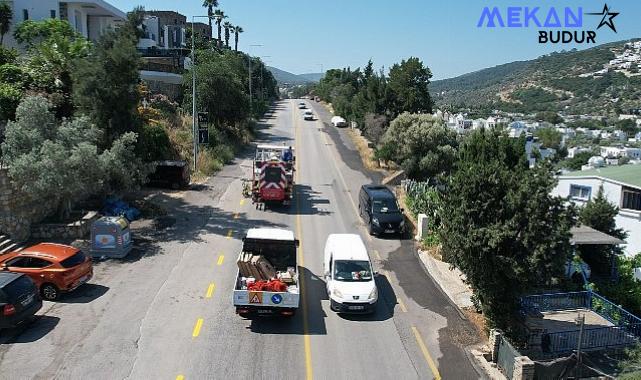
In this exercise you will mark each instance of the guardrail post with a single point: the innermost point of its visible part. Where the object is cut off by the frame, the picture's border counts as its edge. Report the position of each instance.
(589, 300)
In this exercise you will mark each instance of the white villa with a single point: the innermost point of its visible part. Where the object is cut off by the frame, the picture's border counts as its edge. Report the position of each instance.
(621, 186)
(91, 18)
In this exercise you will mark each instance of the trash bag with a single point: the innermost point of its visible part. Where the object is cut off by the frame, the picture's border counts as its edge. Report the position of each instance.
(117, 207)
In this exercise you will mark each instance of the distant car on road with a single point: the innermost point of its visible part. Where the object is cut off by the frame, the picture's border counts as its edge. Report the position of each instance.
(379, 209)
(309, 115)
(302, 105)
(19, 299)
(55, 268)
(338, 121)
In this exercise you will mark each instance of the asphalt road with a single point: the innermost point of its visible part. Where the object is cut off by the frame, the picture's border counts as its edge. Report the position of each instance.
(166, 312)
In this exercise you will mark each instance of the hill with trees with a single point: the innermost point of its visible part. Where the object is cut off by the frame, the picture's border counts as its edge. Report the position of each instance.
(576, 82)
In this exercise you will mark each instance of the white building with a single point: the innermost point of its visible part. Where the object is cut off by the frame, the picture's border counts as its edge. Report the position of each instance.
(621, 186)
(91, 18)
(576, 150)
(163, 30)
(618, 152)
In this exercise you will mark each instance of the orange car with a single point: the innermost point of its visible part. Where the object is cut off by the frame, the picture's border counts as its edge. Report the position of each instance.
(55, 268)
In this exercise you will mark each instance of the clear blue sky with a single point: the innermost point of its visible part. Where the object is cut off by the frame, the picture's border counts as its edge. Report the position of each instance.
(301, 35)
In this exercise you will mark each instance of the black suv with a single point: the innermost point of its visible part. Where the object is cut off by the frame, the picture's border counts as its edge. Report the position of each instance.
(19, 299)
(378, 207)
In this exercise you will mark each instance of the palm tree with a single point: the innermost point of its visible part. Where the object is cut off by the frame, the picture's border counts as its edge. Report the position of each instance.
(237, 30)
(6, 14)
(210, 5)
(227, 26)
(219, 16)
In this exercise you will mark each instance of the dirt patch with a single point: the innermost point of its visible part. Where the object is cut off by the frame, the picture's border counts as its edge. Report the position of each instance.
(478, 321)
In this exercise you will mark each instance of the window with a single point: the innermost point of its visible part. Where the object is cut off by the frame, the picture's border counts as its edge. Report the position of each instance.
(28, 262)
(53, 13)
(385, 206)
(25, 14)
(19, 262)
(580, 192)
(38, 263)
(352, 271)
(74, 260)
(631, 199)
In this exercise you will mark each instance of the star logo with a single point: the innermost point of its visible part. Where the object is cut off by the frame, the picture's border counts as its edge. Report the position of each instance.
(607, 17)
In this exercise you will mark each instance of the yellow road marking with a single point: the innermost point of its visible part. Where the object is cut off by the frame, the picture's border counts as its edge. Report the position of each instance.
(180, 377)
(221, 258)
(199, 324)
(242, 202)
(237, 215)
(229, 234)
(308, 349)
(426, 354)
(401, 304)
(210, 290)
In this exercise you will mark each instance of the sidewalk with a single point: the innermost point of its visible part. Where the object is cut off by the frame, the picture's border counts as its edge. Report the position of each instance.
(451, 281)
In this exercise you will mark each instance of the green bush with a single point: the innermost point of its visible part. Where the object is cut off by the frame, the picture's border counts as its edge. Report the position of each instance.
(154, 144)
(10, 97)
(223, 153)
(13, 74)
(7, 55)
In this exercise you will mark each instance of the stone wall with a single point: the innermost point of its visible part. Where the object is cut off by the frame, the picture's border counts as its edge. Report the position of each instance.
(18, 211)
(78, 229)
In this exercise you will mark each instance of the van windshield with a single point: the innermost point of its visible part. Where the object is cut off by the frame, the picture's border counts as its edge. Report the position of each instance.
(352, 270)
(385, 206)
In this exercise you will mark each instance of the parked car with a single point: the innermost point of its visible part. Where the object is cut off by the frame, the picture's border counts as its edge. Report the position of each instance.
(379, 209)
(308, 115)
(19, 299)
(349, 277)
(55, 268)
(302, 105)
(338, 122)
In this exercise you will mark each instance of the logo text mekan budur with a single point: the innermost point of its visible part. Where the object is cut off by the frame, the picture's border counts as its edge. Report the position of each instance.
(568, 21)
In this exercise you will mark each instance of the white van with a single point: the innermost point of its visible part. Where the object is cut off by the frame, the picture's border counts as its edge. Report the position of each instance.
(348, 274)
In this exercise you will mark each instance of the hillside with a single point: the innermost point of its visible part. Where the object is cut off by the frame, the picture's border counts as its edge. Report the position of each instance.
(598, 80)
(312, 77)
(285, 77)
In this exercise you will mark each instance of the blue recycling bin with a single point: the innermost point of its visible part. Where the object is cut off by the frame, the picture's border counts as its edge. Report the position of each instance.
(111, 237)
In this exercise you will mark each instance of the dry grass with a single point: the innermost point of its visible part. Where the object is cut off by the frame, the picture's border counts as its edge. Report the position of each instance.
(478, 321)
(366, 153)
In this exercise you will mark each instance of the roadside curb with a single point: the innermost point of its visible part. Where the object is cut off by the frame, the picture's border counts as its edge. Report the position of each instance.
(438, 285)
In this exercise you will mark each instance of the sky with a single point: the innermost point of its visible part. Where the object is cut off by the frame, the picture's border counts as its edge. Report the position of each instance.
(306, 36)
